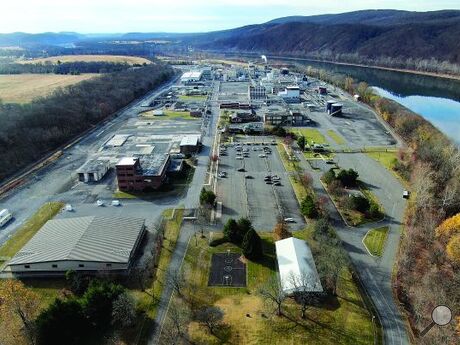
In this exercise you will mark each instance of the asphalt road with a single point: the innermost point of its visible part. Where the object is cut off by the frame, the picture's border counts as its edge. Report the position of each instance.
(374, 273)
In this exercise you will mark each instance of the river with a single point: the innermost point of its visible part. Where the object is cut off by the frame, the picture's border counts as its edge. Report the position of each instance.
(436, 99)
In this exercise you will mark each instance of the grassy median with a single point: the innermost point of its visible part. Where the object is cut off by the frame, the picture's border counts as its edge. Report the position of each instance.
(375, 240)
(30, 228)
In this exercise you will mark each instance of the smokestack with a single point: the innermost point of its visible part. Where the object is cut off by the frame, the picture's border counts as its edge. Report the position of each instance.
(263, 57)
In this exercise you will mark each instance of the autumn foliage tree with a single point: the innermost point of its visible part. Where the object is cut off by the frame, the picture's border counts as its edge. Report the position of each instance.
(449, 230)
(281, 231)
(19, 306)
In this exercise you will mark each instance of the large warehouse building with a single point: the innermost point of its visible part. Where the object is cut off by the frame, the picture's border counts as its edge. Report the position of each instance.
(90, 244)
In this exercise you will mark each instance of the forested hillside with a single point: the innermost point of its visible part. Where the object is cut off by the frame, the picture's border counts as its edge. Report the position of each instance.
(29, 131)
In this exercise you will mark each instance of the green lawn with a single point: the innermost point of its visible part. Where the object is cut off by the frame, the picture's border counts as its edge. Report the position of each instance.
(168, 115)
(338, 320)
(336, 137)
(375, 240)
(30, 228)
(387, 159)
(311, 135)
(196, 98)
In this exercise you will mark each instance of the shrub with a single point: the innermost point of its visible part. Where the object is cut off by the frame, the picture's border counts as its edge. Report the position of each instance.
(232, 232)
(308, 207)
(207, 197)
(348, 177)
(359, 203)
(252, 245)
(329, 176)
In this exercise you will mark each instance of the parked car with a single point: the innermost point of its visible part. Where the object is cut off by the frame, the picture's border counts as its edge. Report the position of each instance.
(239, 157)
(277, 183)
(68, 208)
(5, 217)
(262, 155)
(289, 220)
(406, 194)
(100, 203)
(241, 170)
(116, 203)
(222, 174)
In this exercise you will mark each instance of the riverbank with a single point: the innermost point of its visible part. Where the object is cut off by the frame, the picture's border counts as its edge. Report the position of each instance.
(401, 70)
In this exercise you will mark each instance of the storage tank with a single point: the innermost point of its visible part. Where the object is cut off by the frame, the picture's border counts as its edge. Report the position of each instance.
(329, 106)
(336, 109)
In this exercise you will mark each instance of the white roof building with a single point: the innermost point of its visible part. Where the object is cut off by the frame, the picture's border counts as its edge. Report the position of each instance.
(296, 264)
(191, 76)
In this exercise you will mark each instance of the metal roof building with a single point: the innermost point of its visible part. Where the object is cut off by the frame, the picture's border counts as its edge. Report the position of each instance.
(296, 266)
(80, 244)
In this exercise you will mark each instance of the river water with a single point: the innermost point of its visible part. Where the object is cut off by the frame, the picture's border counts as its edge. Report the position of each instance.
(436, 99)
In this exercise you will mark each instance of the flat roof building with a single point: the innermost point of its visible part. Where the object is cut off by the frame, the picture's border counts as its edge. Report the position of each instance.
(190, 144)
(191, 76)
(80, 244)
(142, 173)
(93, 170)
(295, 263)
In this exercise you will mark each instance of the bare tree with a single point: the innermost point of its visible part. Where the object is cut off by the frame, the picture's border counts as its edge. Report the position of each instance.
(211, 317)
(124, 310)
(177, 281)
(303, 285)
(272, 293)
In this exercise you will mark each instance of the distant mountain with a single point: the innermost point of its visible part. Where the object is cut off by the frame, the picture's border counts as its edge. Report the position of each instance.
(385, 37)
(374, 17)
(355, 35)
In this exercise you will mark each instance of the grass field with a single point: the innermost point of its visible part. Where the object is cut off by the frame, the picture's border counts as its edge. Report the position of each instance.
(340, 320)
(387, 159)
(336, 137)
(89, 58)
(30, 228)
(23, 88)
(375, 240)
(311, 135)
(168, 115)
(192, 98)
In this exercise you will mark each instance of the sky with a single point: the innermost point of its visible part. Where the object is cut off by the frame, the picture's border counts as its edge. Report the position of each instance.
(118, 16)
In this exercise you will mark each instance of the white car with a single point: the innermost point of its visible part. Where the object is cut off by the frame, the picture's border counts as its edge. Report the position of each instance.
(289, 220)
(239, 157)
(222, 174)
(5, 217)
(262, 155)
(68, 208)
(100, 203)
(116, 203)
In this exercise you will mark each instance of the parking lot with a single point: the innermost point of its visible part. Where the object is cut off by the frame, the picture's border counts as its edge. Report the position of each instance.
(358, 125)
(247, 194)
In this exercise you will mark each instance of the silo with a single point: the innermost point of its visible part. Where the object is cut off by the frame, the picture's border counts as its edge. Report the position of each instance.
(336, 109)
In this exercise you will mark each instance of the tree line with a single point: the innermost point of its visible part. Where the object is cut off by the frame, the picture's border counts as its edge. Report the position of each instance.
(429, 260)
(30, 131)
(90, 310)
(76, 67)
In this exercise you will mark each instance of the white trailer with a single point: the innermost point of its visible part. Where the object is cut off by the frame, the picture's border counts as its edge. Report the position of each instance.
(5, 217)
